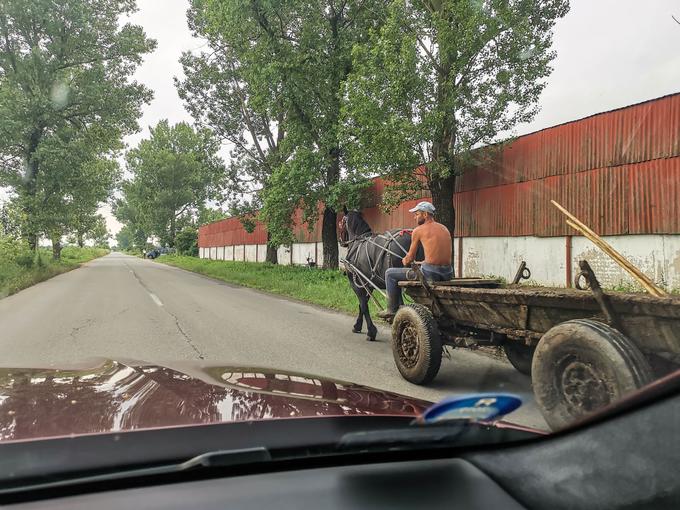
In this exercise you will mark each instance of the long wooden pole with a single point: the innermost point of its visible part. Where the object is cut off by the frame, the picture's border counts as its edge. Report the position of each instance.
(638, 275)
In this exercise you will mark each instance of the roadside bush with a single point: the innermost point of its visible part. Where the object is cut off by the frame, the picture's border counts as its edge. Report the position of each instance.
(21, 268)
(186, 242)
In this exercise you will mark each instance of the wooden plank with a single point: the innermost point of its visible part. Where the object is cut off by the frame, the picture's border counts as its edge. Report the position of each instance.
(576, 224)
(459, 282)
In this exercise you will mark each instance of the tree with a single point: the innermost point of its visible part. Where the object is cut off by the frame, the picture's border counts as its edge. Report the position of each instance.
(187, 242)
(174, 173)
(133, 228)
(302, 52)
(64, 87)
(99, 233)
(224, 90)
(11, 220)
(439, 78)
(209, 215)
(124, 238)
(69, 197)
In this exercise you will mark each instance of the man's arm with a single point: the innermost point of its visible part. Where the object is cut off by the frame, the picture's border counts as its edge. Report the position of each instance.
(411, 255)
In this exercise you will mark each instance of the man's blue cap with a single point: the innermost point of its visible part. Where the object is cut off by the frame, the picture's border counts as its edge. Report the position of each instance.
(423, 206)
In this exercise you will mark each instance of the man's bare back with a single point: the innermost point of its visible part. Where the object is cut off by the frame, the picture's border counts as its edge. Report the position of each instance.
(436, 241)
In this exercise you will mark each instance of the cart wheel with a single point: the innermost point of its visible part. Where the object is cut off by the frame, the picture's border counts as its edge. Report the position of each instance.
(519, 355)
(416, 344)
(581, 366)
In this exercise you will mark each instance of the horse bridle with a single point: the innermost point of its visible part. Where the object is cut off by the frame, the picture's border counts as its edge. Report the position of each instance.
(342, 225)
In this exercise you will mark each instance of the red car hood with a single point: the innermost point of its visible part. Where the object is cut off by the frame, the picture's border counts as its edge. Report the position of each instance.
(112, 396)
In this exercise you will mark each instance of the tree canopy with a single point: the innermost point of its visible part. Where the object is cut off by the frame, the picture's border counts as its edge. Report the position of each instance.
(173, 173)
(66, 99)
(225, 91)
(439, 78)
(299, 54)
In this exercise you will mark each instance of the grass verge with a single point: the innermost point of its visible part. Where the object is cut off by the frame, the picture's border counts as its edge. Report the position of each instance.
(327, 288)
(18, 276)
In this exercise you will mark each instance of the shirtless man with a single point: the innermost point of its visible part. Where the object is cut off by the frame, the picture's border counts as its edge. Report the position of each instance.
(436, 241)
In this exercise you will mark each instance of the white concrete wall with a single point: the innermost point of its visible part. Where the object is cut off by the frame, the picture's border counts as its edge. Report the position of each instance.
(300, 253)
(251, 253)
(501, 256)
(658, 256)
(229, 253)
(283, 255)
(303, 250)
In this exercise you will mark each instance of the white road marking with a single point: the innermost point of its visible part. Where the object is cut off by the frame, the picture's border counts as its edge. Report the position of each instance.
(155, 299)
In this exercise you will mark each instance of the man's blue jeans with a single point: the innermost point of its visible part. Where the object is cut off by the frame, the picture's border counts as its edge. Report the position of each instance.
(394, 275)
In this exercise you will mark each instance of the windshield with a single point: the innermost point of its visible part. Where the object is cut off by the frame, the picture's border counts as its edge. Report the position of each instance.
(216, 211)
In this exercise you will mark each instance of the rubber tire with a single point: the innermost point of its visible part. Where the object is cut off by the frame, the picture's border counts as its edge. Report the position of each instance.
(429, 343)
(620, 366)
(519, 356)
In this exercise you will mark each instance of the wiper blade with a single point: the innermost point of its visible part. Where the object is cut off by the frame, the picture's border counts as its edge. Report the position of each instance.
(225, 458)
(209, 460)
(403, 438)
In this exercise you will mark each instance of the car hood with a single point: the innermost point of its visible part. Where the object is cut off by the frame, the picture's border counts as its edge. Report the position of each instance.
(122, 395)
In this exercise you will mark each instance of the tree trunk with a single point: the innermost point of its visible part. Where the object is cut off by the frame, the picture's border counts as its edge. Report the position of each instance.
(171, 241)
(441, 189)
(329, 237)
(329, 227)
(32, 241)
(30, 187)
(81, 242)
(56, 248)
(272, 252)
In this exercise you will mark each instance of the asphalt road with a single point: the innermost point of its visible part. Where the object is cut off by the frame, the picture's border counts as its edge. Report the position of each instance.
(122, 306)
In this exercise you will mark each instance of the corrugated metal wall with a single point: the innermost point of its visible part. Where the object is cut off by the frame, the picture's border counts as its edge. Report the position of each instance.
(618, 171)
(635, 134)
(229, 232)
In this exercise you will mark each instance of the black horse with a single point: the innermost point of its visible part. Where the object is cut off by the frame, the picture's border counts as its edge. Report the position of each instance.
(369, 256)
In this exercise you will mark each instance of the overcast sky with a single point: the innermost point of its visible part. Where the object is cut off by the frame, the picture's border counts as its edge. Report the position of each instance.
(610, 53)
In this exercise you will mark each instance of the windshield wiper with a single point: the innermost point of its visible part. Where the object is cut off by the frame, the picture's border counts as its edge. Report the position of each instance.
(209, 460)
(419, 437)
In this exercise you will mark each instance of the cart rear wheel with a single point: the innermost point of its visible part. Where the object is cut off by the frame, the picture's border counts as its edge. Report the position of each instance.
(581, 366)
(519, 355)
(416, 344)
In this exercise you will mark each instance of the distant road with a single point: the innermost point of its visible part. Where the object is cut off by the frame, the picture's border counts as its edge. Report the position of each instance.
(122, 306)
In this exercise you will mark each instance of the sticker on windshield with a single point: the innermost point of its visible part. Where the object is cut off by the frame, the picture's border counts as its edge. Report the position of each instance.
(483, 407)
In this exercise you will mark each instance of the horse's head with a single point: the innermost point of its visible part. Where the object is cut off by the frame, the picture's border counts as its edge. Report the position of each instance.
(351, 226)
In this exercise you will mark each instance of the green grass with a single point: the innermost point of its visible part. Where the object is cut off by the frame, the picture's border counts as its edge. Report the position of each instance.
(23, 270)
(322, 287)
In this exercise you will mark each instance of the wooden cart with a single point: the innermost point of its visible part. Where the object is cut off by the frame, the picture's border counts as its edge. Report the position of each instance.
(583, 349)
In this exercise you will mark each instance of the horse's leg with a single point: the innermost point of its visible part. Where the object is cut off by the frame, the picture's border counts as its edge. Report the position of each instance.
(372, 330)
(359, 324)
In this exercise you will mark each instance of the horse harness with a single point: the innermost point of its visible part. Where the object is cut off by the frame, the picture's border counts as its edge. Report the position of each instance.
(365, 240)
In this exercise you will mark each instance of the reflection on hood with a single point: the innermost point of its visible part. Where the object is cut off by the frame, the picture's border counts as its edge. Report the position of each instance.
(117, 396)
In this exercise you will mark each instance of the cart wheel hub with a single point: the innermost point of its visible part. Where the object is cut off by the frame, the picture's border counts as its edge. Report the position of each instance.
(409, 347)
(583, 388)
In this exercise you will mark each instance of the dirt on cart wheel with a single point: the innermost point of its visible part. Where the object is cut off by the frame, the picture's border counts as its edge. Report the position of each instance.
(519, 355)
(416, 344)
(581, 366)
